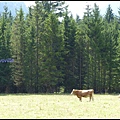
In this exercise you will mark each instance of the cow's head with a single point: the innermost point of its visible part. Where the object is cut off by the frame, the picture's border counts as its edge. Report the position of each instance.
(73, 91)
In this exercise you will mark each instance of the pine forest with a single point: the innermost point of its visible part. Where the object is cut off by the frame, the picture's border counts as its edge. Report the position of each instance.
(48, 51)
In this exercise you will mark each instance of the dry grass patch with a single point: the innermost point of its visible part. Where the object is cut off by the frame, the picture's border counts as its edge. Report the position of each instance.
(58, 106)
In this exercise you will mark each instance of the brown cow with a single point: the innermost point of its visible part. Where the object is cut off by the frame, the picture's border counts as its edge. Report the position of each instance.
(83, 93)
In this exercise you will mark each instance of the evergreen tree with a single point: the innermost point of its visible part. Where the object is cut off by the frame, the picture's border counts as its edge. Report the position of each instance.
(18, 44)
(69, 54)
(30, 60)
(5, 52)
(51, 72)
(80, 45)
(109, 16)
(111, 33)
(56, 6)
(88, 62)
(96, 44)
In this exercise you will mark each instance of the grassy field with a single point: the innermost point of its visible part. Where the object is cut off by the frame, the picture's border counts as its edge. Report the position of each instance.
(58, 106)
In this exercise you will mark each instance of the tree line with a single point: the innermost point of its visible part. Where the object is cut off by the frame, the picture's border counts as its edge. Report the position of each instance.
(52, 55)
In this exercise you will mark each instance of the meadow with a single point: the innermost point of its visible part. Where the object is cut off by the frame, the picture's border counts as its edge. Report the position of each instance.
(58, 106)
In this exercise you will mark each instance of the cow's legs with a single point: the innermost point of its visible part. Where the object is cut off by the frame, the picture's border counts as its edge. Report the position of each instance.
(90, 97)
(80, 98)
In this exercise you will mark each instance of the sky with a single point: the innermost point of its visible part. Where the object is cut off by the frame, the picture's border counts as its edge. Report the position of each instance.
(78, 7)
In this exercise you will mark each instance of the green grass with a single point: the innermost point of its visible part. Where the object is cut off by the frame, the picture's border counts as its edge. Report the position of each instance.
(58, 106)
